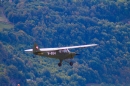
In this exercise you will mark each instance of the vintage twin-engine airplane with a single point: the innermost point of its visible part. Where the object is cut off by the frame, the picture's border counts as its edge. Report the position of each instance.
(61, 53)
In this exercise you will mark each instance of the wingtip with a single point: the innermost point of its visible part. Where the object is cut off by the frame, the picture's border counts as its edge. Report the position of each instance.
(94, 44)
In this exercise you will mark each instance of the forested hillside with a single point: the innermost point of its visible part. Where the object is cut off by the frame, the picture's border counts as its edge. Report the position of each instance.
(56, 23)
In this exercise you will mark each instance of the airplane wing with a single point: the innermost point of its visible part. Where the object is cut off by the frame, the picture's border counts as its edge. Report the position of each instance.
(61, 48)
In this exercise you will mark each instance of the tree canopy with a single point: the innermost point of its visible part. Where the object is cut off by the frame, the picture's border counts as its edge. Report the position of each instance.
(56, 23)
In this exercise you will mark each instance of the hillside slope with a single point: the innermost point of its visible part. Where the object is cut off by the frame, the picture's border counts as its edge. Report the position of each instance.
(53, 23)
(4, 23)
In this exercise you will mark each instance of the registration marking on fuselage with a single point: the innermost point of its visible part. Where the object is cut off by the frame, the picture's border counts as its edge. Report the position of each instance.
(51, 53)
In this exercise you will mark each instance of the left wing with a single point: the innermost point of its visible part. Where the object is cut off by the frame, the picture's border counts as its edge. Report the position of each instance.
(61, 48)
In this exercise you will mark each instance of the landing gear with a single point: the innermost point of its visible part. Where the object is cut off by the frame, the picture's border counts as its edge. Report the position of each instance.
(71, 63)
(59, 64)
(68, 61)
(33, 56)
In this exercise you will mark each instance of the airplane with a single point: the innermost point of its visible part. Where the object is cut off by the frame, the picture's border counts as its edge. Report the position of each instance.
(61, 53)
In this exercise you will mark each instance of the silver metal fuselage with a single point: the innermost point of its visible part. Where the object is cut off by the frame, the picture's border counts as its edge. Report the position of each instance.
(56, 54)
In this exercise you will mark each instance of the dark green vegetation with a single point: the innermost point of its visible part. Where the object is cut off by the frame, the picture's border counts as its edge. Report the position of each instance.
(4, 21)
(55, 23)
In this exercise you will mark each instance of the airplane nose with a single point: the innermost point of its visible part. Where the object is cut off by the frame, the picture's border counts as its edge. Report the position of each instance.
(73, 54)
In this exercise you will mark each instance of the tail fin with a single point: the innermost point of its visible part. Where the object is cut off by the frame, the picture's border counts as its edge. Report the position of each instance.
(35, 48)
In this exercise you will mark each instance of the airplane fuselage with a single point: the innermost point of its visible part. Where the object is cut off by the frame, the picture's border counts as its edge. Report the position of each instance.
(56, 54)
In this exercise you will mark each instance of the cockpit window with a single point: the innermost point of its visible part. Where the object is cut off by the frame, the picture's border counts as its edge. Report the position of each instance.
(64, 51)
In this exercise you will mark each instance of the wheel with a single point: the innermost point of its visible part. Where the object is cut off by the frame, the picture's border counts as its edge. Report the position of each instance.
(71, 63)
(59, 64)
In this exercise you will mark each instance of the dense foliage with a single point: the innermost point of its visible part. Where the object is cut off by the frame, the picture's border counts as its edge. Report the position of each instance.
(53, 23)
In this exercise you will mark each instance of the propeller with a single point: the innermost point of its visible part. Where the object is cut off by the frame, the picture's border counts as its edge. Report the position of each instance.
(77, 54)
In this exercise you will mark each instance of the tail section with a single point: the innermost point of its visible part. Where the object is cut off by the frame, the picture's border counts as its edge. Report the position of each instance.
(36, 49)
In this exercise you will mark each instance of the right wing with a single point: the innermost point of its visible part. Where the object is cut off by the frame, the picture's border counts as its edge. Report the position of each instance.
(61, 48)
